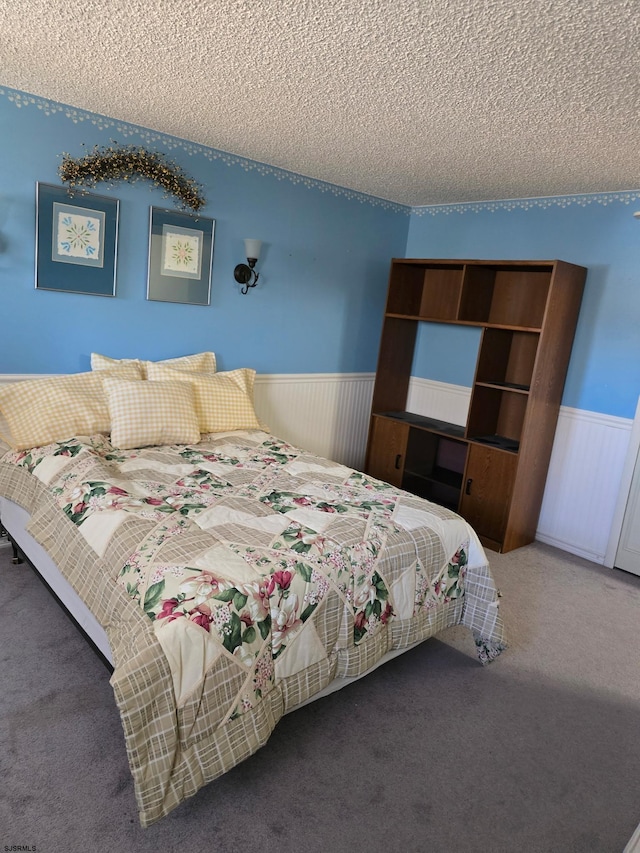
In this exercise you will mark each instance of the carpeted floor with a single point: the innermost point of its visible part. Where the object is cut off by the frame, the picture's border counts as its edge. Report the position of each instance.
(537, 753)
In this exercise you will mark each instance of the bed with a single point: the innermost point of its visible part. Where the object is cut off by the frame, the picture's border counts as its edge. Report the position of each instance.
(227, 576)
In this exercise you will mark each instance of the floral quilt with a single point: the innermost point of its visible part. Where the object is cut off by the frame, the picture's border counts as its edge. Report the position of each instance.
(238, 578)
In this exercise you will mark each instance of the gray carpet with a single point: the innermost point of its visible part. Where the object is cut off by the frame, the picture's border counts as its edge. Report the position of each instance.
(537, 753)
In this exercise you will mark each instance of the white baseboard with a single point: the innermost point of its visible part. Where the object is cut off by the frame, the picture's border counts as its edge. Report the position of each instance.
(570, 547)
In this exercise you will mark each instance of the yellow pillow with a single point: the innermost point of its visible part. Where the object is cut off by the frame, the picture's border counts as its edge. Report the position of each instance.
(223, 401)
(4, 433)
(54, 408)
(151, 413)
(203, 362)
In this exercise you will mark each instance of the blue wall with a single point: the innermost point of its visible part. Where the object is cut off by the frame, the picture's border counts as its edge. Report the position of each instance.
(323, 270)
(595, 231)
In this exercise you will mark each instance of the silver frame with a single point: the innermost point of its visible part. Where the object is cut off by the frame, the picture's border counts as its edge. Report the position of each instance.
(164, 287)
(45, 264)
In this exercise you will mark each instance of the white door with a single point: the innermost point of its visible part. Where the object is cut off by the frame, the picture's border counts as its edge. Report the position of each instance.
(628, 553)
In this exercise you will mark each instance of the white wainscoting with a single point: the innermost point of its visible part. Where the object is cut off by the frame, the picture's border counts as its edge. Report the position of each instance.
(583, 483)
(329, 415)
(439, 400)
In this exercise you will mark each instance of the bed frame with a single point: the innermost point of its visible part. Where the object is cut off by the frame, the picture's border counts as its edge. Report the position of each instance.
(13, 522)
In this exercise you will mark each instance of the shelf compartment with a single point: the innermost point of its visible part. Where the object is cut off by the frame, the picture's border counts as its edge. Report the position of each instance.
(434, 467)
(394, 364)
(405, 294)
(437, 493)
(441, 293)
(429, 292)
(496, 415)
(507, 358)
(505, 296)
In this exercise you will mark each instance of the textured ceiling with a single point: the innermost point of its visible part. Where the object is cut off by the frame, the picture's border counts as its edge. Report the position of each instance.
(419, 102)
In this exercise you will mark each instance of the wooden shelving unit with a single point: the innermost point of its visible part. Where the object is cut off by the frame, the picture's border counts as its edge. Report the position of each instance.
(492, 470)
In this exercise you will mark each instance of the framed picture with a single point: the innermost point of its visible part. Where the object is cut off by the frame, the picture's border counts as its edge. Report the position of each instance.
(76, 241)
(180, 257)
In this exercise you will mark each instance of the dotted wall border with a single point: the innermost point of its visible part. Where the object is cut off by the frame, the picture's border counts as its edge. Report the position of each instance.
(544, 203)
(172, 143)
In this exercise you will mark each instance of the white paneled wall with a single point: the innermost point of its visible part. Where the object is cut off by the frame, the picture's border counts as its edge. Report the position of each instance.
(585, 474)
(325, 413)
(329, 415)
(439, 400)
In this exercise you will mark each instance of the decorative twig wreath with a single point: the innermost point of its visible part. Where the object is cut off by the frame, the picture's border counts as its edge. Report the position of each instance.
(130, 163)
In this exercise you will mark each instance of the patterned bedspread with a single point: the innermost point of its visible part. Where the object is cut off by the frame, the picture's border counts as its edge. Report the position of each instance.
(237, 578)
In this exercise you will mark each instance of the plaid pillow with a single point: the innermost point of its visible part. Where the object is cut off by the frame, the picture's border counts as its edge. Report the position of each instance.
(54, 408)
(223, 401)
(203, 362)
(151, 413)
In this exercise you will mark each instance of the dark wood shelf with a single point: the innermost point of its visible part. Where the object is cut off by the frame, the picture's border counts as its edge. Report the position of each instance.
(439, 493)
(493, 469)
(505, 386)
(431, 424)
(453, 322)
(441, 476)
(502, 442)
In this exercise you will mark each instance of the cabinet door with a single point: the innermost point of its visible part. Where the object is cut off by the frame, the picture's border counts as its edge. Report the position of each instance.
(487, 489)
(387, 450)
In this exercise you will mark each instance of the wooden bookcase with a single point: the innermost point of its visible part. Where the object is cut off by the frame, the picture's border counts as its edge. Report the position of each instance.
(493, 469)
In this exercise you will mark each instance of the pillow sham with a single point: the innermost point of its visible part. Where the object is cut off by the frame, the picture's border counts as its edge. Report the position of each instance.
(54, 408)
(223, 401)
(203, 362)
(151, 413)
(4, 431)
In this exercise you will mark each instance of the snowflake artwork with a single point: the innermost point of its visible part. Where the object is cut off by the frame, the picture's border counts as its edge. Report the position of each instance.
(182, 252)
(78, 235)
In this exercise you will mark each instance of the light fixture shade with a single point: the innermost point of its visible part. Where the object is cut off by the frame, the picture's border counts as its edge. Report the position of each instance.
(252, 248)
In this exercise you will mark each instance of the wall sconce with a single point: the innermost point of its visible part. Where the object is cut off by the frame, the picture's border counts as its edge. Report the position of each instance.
(246, 275)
